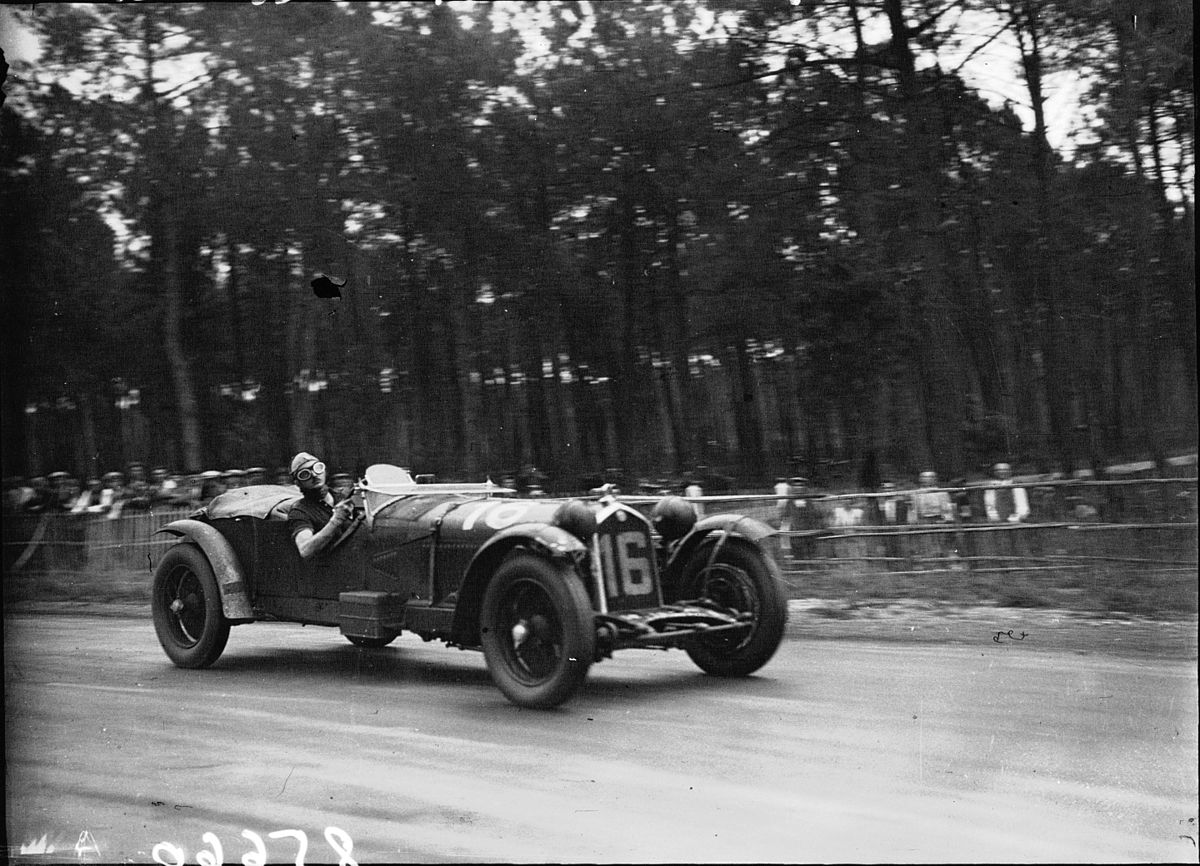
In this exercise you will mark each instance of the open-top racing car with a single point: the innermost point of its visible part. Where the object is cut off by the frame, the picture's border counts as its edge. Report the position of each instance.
(544, 587)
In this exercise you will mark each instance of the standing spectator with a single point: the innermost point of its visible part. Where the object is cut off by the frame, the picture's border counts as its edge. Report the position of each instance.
(72, 487)
(39, 498)
(135, 471)
(137, 495)
(893, 511)
(112, 495)
(210, 485)
(233, 478)
(1080, 503)
(88, 502)
(693, 490)
(1003, 501)
(532, 481)
(803, 519)
(256, 475)
(14, 494)
(964, 513)
(781, 500)
(282, 476)
(893, 508)
(187, 489)
(930, 506)
(535, 483)
(60, 492)
(163, 488)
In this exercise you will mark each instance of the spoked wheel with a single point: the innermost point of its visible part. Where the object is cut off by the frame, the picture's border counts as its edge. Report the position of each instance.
(746, 580)
(186, 605)
(537, 631)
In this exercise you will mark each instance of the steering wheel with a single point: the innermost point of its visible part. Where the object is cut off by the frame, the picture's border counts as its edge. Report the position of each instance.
(355, 521)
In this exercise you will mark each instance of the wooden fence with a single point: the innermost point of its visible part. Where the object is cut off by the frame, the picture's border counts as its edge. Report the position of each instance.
(71, 543)
(1147, 526)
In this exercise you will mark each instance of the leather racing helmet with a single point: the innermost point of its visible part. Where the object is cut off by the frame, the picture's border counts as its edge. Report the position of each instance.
(300, 461)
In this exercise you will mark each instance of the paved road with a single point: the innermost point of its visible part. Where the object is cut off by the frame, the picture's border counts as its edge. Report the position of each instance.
(839, 750)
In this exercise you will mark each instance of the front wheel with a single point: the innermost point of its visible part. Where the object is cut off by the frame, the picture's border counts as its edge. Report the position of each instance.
(537, 631)
(186, 605)
(744, 579)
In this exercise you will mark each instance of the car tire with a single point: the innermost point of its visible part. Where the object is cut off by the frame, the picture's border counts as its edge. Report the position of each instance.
(186, 605)
(370, 642)
(537, 630)
(745, 579)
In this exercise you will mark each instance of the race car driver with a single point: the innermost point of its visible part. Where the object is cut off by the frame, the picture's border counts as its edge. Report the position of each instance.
(314, 521)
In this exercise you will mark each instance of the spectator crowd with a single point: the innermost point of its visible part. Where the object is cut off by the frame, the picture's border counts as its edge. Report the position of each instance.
(801, 506)
(133, 490)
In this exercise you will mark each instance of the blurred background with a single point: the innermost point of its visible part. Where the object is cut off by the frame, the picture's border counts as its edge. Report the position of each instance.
(852, 240)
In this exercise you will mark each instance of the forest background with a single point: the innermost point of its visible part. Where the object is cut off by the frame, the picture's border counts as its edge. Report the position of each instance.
(759, 238)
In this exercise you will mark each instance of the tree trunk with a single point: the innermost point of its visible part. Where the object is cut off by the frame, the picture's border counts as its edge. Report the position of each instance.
(181, 372)
(631, 406)
(165, 249)
(302, 351)
(90, 456)
(676, 351)
(1126, 99)
(235, 310)
(469, 404)
(1027, 26)
(746, 413)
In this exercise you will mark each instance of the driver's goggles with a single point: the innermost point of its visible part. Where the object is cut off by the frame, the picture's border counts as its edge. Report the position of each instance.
(309, 472)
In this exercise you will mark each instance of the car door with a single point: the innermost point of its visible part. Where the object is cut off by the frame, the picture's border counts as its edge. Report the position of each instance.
(337, 569)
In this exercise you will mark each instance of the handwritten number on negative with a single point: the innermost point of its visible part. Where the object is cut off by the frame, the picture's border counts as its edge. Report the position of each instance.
(1009, 634)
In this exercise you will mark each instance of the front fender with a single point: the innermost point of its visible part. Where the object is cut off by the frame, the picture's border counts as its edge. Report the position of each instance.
(541, 538)
(735, 525)
(235, 603)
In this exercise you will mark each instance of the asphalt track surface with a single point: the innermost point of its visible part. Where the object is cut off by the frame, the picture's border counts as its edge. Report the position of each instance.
(839, 750)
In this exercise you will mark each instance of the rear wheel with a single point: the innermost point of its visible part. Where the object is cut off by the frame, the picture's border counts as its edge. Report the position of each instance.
(537, 631)
(744, 579)
(186, 606)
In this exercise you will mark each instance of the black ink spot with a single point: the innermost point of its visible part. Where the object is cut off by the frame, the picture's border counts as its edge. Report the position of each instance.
(327, 287)
(3, 75)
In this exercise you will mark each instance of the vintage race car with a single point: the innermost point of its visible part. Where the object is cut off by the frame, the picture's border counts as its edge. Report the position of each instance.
(544, 587)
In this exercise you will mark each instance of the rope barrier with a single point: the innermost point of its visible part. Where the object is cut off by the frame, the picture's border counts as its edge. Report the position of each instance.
(955, 528)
